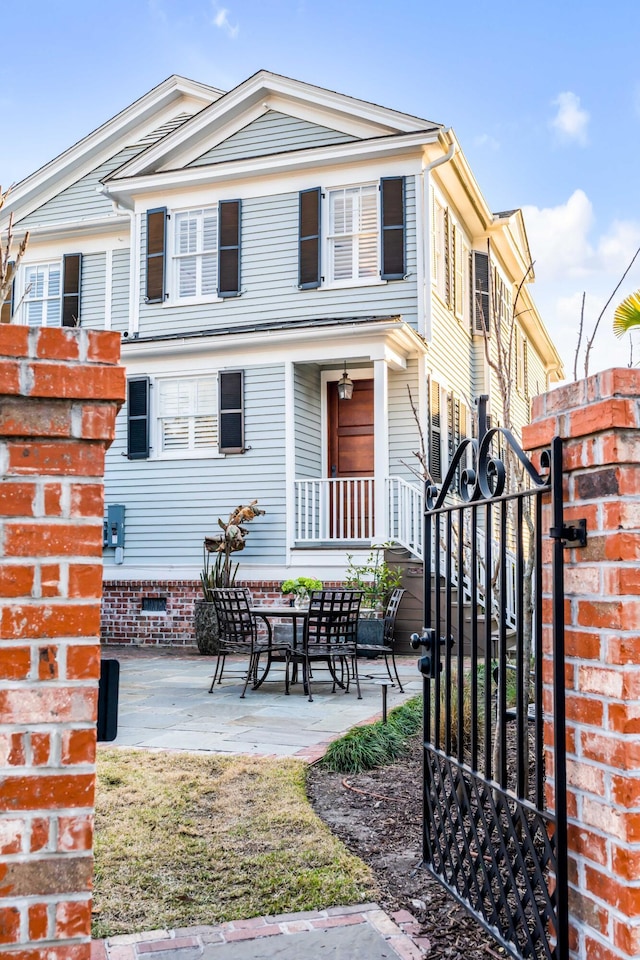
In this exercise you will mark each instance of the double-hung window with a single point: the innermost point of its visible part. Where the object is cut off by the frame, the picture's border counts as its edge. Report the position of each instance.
(439, 248)
(187, 415)
(354, 234)
(48, 294)
(43, 294)
(196, 253)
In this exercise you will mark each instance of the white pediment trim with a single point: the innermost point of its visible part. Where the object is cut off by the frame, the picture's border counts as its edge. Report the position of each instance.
(293, 162)
(170, 98)
(251, 99)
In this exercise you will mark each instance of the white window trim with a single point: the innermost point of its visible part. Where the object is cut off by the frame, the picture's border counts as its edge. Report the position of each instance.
(437, 246)
(21, 296)
(326, 260)
(520, 340)
(173, 300)
(157, 453)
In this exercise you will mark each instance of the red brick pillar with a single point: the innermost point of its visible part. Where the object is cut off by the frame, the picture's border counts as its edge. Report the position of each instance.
(60, 391)
(599, 419)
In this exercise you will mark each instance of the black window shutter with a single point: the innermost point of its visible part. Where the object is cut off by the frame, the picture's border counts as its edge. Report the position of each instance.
(138, 418)
(156, 254)
(481, 312)
(229, 249)
(447, 257)
(525, 367)
(231, 411)
(309, 239)
(393, 228)
(71, 272)
(8, 305)
(435, 433)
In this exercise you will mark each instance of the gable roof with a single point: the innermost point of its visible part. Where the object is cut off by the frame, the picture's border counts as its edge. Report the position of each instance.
(153, 115)
(251, 99)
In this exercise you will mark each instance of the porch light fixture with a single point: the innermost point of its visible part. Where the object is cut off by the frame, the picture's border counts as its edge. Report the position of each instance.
(345, 385)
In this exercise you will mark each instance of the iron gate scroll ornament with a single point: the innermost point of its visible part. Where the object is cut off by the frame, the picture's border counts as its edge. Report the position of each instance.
(487, 834)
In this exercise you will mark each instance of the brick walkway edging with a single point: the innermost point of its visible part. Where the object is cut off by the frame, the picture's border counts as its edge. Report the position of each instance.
(401, 932)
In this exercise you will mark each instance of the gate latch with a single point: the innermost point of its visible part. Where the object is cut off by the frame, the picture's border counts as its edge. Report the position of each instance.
(429, 665)
(573, 534)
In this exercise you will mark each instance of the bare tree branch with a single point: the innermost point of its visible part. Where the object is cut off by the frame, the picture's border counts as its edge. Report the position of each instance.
(575, 361)
(595, 329)
(9, 260)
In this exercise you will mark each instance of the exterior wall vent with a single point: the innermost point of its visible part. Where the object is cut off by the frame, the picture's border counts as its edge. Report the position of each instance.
(154, 604)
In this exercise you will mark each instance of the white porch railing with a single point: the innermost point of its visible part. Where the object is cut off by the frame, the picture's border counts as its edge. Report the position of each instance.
(405, 521)
(405, 504)
(330, 509)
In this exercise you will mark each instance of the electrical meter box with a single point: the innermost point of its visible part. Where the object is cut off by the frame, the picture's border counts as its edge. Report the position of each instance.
(114, 526)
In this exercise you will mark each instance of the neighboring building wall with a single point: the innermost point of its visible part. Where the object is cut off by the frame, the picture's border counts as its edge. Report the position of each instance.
(82, 199)
(60, 390)
(599, 420)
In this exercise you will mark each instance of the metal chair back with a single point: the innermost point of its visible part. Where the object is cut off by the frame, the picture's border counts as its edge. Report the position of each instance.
(332, 620)
(388, 630)
(237, 623)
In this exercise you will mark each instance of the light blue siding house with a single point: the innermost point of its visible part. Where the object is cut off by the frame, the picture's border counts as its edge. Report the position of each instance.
(256, 250)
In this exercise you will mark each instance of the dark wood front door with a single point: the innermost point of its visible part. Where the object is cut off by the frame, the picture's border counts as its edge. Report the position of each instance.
(351, 456)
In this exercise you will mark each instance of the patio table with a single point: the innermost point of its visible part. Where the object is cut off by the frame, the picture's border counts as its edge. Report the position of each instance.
(267, 612)
(285, 612)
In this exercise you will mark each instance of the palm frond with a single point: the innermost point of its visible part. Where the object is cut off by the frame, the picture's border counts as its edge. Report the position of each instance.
(627, 314)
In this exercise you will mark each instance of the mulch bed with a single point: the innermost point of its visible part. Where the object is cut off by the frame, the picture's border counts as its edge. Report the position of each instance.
(378, 815)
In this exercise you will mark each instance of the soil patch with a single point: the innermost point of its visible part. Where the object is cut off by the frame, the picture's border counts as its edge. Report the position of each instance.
(378, 815)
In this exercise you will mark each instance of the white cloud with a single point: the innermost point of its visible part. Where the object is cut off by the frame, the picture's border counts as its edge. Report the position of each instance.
(571, 120)
(558, 236)
(221, 20)
(572, 258)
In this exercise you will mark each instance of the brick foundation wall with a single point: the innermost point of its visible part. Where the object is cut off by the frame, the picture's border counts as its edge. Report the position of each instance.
(599, 419)
(124, 620)
(60, 391)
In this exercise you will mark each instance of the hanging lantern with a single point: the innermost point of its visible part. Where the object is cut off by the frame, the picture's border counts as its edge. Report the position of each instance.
(345, 385)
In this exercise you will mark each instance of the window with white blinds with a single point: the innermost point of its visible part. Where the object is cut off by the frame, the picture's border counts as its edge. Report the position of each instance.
(439, 241)
(196, 253)
(43, 294)
(187, 414)
(353, 235)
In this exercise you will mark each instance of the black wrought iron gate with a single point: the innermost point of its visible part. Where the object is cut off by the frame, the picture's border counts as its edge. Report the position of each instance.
(489, 672)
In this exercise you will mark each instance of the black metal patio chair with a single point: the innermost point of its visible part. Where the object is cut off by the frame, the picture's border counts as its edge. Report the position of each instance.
(239, 635)
(330, 630)
(387, 647)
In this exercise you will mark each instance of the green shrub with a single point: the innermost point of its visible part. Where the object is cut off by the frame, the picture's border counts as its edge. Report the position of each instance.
(375, 744)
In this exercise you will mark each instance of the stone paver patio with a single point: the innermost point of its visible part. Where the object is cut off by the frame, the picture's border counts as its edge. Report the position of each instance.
(165, 704)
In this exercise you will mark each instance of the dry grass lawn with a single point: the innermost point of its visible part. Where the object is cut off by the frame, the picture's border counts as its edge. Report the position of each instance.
(184, 839)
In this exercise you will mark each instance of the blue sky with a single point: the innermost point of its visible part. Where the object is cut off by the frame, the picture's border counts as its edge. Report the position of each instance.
(544, 98)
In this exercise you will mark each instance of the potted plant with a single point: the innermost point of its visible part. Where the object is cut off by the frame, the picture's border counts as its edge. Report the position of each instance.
(300, 588)
(221, 572)
(377, 580)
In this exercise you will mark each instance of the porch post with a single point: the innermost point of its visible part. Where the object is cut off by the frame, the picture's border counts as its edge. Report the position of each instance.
(290, 459)
(381, 447)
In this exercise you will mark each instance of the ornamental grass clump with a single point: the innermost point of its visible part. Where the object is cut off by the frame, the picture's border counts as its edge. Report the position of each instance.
(375, 744)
